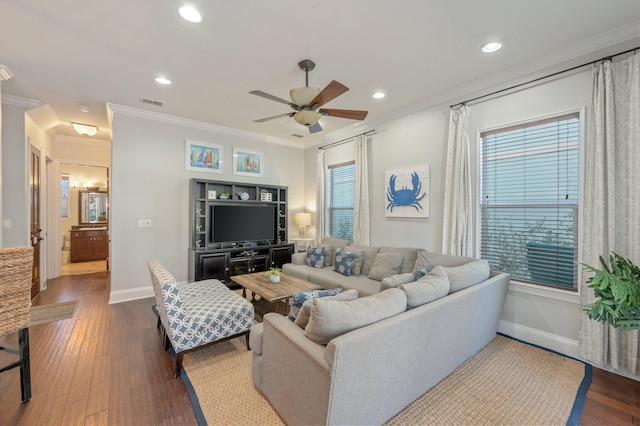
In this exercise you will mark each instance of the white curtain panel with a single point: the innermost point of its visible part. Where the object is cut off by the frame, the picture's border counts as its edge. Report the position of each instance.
(320, 196)
(457, 238)
(361, 207)
(612, 202)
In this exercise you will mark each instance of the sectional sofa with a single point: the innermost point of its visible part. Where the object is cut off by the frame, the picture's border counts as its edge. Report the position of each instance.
(362, 360)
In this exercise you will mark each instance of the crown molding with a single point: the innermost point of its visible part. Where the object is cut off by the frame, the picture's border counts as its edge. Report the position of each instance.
(199, 125)
(20, 102)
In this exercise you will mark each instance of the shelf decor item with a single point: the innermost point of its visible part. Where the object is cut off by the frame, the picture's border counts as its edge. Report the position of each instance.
(265, 195)
(203, 156)
(247, 162)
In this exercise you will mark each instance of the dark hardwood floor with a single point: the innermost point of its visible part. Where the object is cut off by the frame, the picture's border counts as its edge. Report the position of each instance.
(107, 366)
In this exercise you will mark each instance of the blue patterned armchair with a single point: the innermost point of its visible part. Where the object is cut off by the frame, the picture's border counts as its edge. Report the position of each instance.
(196, 314)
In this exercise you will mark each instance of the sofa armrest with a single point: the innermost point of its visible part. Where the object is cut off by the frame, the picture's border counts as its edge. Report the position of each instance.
(295, 376)
(299, 258)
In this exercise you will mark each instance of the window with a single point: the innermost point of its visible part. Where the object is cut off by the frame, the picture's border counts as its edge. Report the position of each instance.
(340, 195)
(64, 202)
(529, 200)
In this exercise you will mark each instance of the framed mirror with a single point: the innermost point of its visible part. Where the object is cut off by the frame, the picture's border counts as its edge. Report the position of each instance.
(93, 207)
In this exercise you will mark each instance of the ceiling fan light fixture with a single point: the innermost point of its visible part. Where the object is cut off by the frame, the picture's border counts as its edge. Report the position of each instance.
(307, 118)
(303, 95)
(85, 129)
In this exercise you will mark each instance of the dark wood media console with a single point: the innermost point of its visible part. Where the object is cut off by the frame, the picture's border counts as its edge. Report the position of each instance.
(209, 258)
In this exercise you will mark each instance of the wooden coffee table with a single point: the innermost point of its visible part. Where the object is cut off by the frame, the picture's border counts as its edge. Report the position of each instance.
(259, 284)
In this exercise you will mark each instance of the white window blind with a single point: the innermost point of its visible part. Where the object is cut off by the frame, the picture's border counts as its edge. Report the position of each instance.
(529, 200)
(341, 191)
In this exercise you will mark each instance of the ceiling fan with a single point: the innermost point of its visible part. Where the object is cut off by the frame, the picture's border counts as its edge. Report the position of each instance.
(305, 102)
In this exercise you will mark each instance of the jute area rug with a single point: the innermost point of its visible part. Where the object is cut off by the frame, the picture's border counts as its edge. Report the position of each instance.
(507, 383)
(52, 312)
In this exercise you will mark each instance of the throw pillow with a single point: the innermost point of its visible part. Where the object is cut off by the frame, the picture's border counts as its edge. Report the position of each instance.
(419, 272)
(298, 298)
(315, 256)
(329, 253)
(332, 318)
(466, 275)
(357, 267)
(344, 262)
(305, 311)
(385, 265)
(427, 289)
(396, 280)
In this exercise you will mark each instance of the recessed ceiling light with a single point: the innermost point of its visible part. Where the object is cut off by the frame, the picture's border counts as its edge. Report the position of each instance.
(491, 47)
(190, 14)
(84, 108)
(162, 80)
(378, 95)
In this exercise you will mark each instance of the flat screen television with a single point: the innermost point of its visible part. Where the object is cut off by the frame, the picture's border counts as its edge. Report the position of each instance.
(232, 223)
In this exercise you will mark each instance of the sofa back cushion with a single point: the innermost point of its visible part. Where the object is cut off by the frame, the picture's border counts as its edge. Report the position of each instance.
(386, 265)
(431, 259)
(369, 256)
(332, 318)
(408, 255)
(432, 286)
(357, 267)
(466, 275)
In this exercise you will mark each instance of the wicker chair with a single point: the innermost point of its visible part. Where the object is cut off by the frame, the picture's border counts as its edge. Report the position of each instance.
(16, 265)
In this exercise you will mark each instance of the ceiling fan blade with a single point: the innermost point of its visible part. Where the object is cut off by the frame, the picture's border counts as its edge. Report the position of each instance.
(261, 120)
(273, 98)
(332, 91)
(344, 113)
(315, 128)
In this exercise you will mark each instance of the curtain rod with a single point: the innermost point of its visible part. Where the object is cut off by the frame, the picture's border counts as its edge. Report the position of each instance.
(606, 58)
(340, 142)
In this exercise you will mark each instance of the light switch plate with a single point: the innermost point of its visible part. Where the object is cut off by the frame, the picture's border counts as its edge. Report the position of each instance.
(6, 223)
(144, 223)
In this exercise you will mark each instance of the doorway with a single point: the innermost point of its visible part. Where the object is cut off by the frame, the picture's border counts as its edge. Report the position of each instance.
(84, 219)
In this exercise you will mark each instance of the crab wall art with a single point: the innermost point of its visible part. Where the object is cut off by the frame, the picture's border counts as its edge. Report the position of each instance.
(407, 192)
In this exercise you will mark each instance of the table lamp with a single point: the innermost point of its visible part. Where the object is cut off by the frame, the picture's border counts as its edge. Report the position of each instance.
(302, 220)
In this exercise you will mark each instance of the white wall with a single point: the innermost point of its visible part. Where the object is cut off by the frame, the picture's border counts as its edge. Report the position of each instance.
(149, 181)
(546, 317)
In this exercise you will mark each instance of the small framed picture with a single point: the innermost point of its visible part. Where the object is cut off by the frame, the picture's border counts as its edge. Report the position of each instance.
(203, 156)
(247, 163)
(211, 194)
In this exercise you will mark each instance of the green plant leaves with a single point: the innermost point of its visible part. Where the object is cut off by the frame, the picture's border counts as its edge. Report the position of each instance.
(617, 288)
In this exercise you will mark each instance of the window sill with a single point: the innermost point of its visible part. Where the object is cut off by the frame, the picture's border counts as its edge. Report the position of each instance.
(546, 292)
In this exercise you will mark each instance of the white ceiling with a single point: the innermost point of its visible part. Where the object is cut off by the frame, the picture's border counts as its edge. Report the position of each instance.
(68, 53)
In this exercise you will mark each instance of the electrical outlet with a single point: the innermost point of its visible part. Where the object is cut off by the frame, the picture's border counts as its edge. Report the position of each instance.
(6, 223)
(144, 223)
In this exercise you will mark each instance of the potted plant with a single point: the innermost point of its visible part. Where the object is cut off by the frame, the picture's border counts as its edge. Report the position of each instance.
(617, 290)
(274, 274)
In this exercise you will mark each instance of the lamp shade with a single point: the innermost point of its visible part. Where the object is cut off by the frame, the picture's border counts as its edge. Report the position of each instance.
(302, 219)
(307, 118)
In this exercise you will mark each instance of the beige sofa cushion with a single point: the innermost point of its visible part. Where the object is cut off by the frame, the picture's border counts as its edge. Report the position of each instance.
(386, 265)
(396, 280)
(305, 311)
(466, 275)
(369, 256)
(431, 259)
(332, 318)
(408, 256)
(432, 286)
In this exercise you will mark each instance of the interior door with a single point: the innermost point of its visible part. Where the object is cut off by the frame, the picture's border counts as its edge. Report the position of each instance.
(35, 229)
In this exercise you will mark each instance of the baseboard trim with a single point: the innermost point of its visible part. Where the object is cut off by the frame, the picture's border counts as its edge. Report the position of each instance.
(120, 296)
(551, 341)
